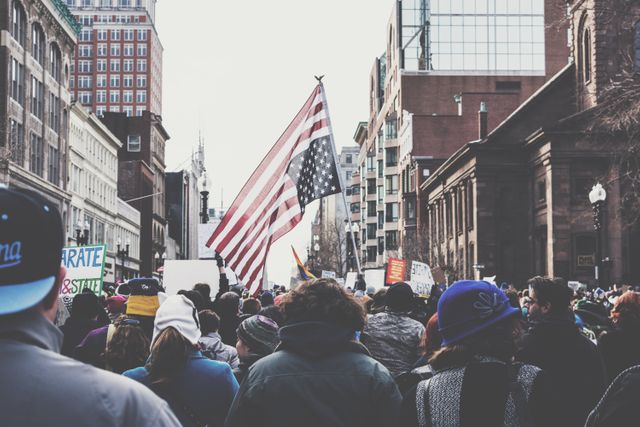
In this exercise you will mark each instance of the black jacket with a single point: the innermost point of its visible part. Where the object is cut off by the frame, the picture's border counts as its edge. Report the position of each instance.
(318, 377)
(619, 405)
(572, 363)
(620, 350)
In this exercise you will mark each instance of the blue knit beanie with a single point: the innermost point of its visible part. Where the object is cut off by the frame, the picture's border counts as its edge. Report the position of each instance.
(469, 307)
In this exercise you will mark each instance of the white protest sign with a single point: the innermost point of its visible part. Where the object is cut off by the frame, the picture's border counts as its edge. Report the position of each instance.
(350, 282)
(421, 278)
(328, 274)
(85, 269)
(374, 278)
(183, 274)
(340, 281)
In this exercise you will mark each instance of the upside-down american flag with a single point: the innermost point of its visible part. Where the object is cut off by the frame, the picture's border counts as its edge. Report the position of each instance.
(299, 169)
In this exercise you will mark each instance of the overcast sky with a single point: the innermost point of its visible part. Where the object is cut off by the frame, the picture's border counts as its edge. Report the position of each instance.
(239, 71)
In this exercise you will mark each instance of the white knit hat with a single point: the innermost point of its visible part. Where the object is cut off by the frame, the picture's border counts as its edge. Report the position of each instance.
(179, 313)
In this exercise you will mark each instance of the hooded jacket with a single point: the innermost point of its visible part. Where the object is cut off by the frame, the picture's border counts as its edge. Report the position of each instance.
(41, 387)
(619, 405)
(213, 348)
(323, 377)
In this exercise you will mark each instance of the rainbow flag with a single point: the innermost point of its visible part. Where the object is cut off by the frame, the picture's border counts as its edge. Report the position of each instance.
(304, 273)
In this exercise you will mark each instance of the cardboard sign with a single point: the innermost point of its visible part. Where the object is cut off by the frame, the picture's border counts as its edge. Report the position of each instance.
(396, 270)
(374, 278)
(328, 274)
(85, 269)
(421, 278)
(350, 282)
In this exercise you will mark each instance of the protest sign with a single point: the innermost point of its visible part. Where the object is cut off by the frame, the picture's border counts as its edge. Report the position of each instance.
(328, 274)
(350, 282)
(396, 270)
(421, 278)
(374, 278)
(85, 269)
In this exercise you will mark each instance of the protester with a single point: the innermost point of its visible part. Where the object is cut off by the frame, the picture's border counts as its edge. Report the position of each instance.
(378, 302)
(250, 307)
(266, 299)
(392, 337)
(476, 383)
(619, 405)
(555, 344)
(40, 387)
(228, 308)
(84, 319)
(274, 313)
(195, 297)
(127, 346)
(199, 390)
(257, 338)
(205, 292)
(211, 343)
(620, 348)
(318, 375)
(116, 305)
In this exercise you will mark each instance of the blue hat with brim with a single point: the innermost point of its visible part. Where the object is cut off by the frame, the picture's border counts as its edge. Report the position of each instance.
(17, 298)
(469, 307)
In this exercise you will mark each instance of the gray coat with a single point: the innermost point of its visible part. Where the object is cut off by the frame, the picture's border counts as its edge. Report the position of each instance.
(213, 348)
(40, 387)
(393, 340)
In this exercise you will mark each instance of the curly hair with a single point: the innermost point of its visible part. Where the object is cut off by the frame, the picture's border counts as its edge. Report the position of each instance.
(626, 312)
(128, 349)
(323, 300)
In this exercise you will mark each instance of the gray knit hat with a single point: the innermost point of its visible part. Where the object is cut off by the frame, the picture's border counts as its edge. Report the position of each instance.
(260, 334)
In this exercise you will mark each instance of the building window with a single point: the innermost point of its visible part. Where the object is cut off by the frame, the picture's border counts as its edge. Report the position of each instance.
(349, 159)
(36, 164)
(85, 98)
(37, 97)
(139, 111)
(133, 143)
(86, 35)
(101, 65)
(142, 49)
(372, 254)
(114, 81)
(391, 155)
(508, 86)
(380, 169)
(37, 43)
(17, 81)
(141, 81)
(586, 55)
(115, 49)
(16, 142)
(100, 110)
(380, 245)
(371, 231)
(392, 212)
(371, 164)
(470, 205)
(141, 97)
(142, 35)
(127, 97)
(391, 129)
(142, 65)
(371, 209)
(55, 62)
(410, 209)
(114, 109)
(355, 207)
(84, 67)
(114, 96)
(380, 220)
(391, 240)
(18, 23)
(84, 82)
(53, 175)
(102, 35)
(128, 110)
(101, 80)
(102, 49)
(127, 80)
(541, 191)
(87, 3)
(115, 65)
(54, 113)
(380, 194)
(115, 35)
(371, 186)
(127, 66)
(128, 35)
(101, 96)
(355, 190)
(128, 49)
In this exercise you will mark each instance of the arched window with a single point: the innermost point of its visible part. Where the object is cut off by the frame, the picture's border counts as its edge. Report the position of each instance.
(37, 43)
(586, 54)
(18, 23)
(637, 46)
(55, 61)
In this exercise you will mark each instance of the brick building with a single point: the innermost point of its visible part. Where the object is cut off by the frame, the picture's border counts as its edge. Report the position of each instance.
(38, 38)
(118, 60)
(141, 178)
(442, 60)
(514, 202)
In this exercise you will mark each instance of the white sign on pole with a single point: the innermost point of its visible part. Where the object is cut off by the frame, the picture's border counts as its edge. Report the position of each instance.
(350, 282)
(183, 274)
(374, 278)
(421, 278)
(85, 269)
(329, 274)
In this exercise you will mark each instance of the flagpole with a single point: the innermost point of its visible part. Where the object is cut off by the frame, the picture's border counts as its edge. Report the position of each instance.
(339, 171)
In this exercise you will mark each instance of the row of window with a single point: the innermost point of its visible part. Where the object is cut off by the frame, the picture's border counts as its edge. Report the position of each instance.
(36, 153)
(104, 3)
(86, 35)
(127, 109)
(87, 20)
(103, 49)
(86, 82)
(86, 66)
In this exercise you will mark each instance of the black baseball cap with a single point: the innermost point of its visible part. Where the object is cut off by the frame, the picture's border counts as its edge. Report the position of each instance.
(31, 240)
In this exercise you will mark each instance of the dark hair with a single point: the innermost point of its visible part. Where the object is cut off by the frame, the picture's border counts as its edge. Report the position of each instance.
(128, 348)
(498, 341)
(204, 290)
(195, 297)
(323, 300)
(251, 306)
(169, 354)
(85, 306)
(228, 304)
(209, 322)
(553, 291)
(274, 313)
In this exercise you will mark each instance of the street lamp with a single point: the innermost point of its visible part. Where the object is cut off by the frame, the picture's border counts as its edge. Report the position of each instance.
(82, 233)
(123, 254)
(597, 197)
(204, 214)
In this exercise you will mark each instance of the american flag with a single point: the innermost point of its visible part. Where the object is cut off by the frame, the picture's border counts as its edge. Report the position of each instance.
(299, 169)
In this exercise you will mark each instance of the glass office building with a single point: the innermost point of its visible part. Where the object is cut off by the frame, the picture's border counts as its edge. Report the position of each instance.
(492, 36)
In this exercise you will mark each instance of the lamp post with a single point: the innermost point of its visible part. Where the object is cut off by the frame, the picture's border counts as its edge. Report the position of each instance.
(82, 233)
(351, 249)
(597, 197)
(123, 254)
(204, 214)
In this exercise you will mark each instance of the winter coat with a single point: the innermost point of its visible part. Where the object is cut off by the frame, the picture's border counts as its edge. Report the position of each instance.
(91, 349)
(573, 364)
(393, 340)
(620, 349)
(40, 387)
(75, 331)
(486, 392)
(243, 367)
(619, 405)
(201, 394)
(228, 327)
(317, 377)
(212, 347)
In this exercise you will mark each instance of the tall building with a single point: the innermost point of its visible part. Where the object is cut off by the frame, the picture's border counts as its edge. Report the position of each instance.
(118, 62)
(38, 39)
(445, 60)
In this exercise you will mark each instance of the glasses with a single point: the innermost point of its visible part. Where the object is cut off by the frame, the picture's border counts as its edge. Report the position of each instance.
(129, 322)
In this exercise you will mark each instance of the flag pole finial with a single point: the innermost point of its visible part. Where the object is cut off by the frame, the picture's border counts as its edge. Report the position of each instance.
(319, 79)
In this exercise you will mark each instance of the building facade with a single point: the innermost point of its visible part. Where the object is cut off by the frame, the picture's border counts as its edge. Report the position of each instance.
(442, 60)
(515, 203)
(117, 65)
(38, 39)
(141, 178)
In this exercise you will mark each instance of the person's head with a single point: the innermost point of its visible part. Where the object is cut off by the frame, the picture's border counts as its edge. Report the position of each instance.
(548, 298)
(475, 319)
(400, 297)
(209, 322)
(204, 290)
(371, 291)
(85, 307)
(323, 300)
(251, 306)
(229, 304)
(274, 313)
(195, 297)
(257, 336)
(175, 335)
(432, 339)
(116, 305)
(379, 300)
(266, 299)
(129, 346)
(626, 311)
(31, 241)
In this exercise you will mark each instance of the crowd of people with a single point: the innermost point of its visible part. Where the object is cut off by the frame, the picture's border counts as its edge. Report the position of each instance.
(472, 354)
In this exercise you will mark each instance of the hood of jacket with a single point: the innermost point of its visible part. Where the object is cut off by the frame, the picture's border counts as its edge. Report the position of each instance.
(318, 339)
